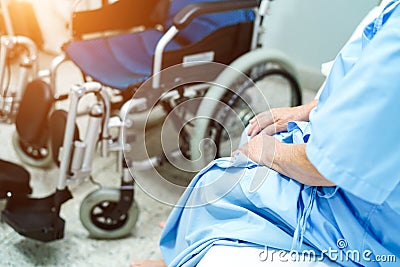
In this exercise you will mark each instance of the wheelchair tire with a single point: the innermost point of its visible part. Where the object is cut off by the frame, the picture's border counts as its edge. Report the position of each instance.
(239, 77)
(43, 161)
(97, 223)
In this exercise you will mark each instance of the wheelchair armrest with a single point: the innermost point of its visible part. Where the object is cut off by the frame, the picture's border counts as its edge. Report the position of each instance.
(188, 13)
(120, 15)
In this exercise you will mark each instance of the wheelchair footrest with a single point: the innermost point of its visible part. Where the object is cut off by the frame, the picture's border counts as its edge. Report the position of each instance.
(14, 179)
(37, 218)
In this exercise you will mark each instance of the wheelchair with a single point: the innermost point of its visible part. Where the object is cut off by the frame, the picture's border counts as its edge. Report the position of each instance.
(192, 58)
(19, 42)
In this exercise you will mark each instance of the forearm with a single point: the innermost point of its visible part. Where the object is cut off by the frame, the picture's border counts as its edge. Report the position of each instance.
(291, 160)
(303, 111)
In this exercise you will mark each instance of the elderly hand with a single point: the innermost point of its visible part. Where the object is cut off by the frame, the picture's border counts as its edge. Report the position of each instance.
(275, 120)
(260, 149)
(271, 121)
(288, 159)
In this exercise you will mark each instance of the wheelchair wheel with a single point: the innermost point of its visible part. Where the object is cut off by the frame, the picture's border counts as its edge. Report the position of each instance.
(39, 157)
(95, 210)
(253, 83)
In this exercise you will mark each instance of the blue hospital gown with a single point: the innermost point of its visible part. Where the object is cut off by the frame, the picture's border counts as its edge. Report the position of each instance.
(352, 139)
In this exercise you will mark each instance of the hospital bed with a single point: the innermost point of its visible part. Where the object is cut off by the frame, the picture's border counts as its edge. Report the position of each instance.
(200, 59)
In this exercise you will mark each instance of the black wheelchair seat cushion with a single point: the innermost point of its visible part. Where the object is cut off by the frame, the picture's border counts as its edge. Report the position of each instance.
(13, 178)
(31, 120)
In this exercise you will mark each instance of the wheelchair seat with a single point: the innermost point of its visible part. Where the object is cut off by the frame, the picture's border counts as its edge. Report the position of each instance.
(14, 179)
(124, 60)
(117, 61)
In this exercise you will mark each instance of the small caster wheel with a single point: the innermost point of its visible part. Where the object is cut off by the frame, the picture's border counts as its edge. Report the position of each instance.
(95, 215)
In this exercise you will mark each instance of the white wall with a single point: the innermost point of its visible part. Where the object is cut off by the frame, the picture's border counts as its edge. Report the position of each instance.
(53, 17)
(311, 32)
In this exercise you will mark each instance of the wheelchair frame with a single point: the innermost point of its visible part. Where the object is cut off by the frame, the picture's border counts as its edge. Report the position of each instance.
(10, 46)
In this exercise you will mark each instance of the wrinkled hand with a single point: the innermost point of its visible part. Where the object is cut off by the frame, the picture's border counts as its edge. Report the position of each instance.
(260, 149)
(272, 121)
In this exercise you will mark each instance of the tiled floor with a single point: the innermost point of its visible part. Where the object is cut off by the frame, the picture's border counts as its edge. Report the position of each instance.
(76, 248)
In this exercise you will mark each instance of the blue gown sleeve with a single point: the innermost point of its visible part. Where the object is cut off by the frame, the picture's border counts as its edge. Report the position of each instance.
(355, 140)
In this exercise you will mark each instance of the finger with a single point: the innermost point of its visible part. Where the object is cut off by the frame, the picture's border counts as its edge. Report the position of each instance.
(254, 118)
(253, 130)
(275, 128)
(234, 152)
(255, 127)
(270, 129)
(260, 122)
(243, 149)
(257, 118)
